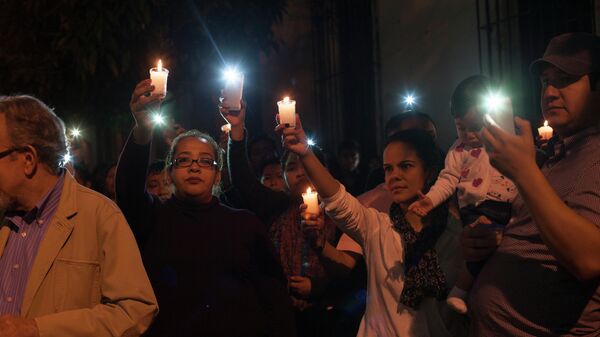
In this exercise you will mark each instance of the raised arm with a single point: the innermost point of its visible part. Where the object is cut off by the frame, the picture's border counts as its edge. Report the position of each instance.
(348, 213)
(130, 179)
(566, 229)
(264, 202)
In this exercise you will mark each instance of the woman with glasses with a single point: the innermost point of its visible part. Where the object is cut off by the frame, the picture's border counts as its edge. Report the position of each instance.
(212, 267)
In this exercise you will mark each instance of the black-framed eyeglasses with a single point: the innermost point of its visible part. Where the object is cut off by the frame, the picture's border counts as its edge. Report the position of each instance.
(187, 162)
(8, 151)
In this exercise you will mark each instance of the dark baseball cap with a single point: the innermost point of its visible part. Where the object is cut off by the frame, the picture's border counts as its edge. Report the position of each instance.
(574, 53)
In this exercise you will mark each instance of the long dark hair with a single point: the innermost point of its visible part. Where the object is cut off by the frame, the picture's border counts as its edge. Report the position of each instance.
(433, 161)
(426, 149)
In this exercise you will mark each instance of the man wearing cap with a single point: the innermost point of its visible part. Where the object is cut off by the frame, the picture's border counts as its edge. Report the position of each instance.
(543, 278)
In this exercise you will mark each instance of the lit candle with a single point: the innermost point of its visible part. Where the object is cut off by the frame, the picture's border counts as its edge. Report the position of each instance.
(545, 131)
(234, 88)
(226, 128)
(311, 199)
(287, 112)
(159, 76)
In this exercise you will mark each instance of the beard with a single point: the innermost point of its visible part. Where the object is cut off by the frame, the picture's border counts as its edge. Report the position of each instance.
(7, 202)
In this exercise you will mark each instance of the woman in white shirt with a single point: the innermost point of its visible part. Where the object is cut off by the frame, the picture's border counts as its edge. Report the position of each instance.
(410, 260)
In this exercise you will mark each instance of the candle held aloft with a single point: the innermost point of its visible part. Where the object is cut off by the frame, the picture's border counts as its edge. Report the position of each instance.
(287, 112)
(545, 131)
(311, 199)
(159, 77)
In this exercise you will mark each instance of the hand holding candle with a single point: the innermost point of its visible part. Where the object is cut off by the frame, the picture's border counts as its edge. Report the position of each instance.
(545, 131)
(313, 223)
(287, 112)
(311, 200)
(159, 77)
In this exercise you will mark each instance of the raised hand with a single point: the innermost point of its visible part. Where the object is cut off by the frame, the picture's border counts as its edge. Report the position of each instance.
(512, 155)
(313, 226)
(237, 119)
(421, 207)
(142, 103)
(293, 139)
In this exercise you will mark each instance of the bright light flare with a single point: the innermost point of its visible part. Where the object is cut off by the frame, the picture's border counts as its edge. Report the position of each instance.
(232, 75)
(158, 119)
(311, 142)
(67, 158)
(494, 102)
(159, 65)
(409, 100)
(75, 132)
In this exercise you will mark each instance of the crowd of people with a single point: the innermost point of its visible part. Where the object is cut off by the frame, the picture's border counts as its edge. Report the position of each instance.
(498, 236)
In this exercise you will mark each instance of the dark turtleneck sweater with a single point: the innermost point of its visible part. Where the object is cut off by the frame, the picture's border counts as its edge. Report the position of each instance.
(212, 267)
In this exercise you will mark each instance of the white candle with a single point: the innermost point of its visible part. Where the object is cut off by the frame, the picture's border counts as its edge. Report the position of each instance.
(311, 199)
(159, 76)
(545, 131)
(287, 112)
(226, 128)
(234, 88)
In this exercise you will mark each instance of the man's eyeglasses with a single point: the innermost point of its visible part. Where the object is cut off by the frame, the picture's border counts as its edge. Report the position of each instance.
(8, 151)
(187, 162)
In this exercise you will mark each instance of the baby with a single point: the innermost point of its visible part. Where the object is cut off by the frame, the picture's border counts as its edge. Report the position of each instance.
(482, 190)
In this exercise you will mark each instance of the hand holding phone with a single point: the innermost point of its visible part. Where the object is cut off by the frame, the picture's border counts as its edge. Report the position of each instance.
(499, 112)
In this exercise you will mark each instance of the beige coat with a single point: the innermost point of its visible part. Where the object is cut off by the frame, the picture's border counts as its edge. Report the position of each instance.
(87, 278)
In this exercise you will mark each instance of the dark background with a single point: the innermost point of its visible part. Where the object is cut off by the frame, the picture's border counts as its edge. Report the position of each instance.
(346, 62)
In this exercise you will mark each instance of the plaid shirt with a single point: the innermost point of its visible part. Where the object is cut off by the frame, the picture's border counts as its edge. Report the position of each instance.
(523, 290)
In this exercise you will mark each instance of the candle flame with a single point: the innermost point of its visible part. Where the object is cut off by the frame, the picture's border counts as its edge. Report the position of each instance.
(545, 123)
(159, 66)
(309, 190)
(286, 99)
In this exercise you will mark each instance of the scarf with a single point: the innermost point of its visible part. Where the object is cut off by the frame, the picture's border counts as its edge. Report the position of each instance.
(423, 274)
(296, 256)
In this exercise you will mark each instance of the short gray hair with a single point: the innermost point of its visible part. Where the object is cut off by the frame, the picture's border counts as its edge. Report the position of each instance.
(199, 135)
(31, 122)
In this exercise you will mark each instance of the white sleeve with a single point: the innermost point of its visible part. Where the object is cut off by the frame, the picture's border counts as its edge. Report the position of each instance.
(448, 179)
(351, 216)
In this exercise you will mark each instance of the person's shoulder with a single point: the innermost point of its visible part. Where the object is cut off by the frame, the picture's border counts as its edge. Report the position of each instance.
(87, 197)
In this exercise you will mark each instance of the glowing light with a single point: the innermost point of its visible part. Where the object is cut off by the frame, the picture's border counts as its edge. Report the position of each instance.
(67, 158)
(75, 132)
(232, 75)
(409, 100)
(286, 99)
(310, 142)
(158, 119)
(545, 123)
(494, 102)
(159, 65)
(309, 190)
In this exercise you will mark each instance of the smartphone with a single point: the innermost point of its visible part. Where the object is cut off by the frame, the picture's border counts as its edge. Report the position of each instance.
(233, 91)
(502, 116)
